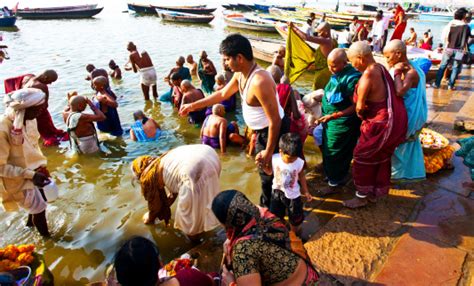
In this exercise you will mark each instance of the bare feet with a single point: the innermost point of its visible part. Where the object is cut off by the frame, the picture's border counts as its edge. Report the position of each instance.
(355, 203)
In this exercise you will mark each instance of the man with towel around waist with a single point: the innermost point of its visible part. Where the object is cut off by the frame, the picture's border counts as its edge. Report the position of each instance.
(260, 107)
(80, 126)
(23, 170)
(142, 63)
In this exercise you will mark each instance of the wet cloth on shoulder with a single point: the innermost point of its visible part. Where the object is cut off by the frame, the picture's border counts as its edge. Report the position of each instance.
(84, 145)
(407, 160)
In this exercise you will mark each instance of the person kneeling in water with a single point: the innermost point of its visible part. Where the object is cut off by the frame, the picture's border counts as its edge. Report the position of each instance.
(81, 130)
(144, 129)
(215, 131)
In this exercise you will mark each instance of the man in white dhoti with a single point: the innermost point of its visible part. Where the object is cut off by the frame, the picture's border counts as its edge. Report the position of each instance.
(187, 173)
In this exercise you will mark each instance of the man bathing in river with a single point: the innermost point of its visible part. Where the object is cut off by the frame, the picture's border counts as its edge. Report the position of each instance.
(215, 131)
(190, 95)
(82, 133)
(106, 101)
(115, 71)
(141, 62)
(260, 107)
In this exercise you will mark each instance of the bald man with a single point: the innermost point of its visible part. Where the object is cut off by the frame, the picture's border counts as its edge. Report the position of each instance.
(206, 72)
(383, 128)
(141, 63)
(80, 127)
(326, 45)
(190, 95)
(410, 84)
(50, 134)
(106, 101)
(144, 129)
(340, 122)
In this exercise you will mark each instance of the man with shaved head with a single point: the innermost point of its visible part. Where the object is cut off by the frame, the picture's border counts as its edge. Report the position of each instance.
(410, 84)
(340, 122)
(141, 63)
(50, 134)
(106, 101)
(80, 126)
(326, 45)
(383, 128)
(190, 95)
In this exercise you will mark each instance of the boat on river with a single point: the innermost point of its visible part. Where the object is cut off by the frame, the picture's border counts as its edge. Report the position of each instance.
(200, 9)
(7, 21)
(172, 16)
(253, 23)
(141, 8)
(63, 12)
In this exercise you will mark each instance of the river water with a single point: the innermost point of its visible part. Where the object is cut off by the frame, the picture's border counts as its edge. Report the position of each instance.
(98, 207)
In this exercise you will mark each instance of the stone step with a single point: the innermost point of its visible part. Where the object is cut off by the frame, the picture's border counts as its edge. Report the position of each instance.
(465, 118)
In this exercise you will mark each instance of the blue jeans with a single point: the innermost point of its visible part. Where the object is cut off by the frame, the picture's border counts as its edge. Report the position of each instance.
(448, 56)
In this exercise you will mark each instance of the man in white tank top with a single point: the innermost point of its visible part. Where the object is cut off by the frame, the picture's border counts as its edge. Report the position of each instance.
(260, 107)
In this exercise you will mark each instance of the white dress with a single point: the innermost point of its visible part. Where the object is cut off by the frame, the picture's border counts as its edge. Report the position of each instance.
(192, 172)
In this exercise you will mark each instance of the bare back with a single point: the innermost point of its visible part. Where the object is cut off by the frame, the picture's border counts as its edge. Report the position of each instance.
(150, 128)
(213, 125)
(85, 126)
(192, 96)
(372, 85)
(140, 61)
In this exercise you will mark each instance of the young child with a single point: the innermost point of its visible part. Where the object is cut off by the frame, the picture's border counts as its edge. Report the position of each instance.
(116, 72)
(289, 181)
(80, 127)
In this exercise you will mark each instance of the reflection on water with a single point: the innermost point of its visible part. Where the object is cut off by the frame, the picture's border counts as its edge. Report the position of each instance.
(98, 207)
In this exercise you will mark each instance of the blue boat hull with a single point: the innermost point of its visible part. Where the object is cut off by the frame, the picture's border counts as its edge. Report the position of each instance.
(7, 21)
(59, 14)
(142, 9)
(438, 18)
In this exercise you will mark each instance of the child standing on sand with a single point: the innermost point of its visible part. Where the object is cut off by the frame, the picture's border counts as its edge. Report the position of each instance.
(289, 181)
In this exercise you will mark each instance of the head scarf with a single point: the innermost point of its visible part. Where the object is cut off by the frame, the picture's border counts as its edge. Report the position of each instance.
(146, 170)
(244, 220)
(15, 105)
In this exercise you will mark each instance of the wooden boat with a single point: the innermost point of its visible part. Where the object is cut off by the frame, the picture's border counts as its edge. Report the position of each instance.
(264, 49)
(180, 17)
(249, 23)
(141, 9)
(201, 10)
(7, 21)
(64, 12)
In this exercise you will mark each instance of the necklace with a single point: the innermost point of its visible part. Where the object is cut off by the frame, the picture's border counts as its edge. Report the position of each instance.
(251, 70)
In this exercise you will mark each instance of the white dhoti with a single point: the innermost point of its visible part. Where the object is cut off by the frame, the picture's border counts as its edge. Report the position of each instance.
(192, 172)
(87, 145)
(148, 76)
(34, 202)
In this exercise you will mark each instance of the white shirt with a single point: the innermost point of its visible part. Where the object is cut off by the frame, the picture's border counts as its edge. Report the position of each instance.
(285, 176)
(378, 29)
(344, 37)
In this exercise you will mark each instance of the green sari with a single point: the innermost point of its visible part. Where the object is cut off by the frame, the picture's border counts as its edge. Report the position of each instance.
(339, 135)
(207, 80)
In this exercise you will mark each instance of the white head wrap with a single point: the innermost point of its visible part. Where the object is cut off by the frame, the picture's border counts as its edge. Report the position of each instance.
(15, 105)
(19, 100)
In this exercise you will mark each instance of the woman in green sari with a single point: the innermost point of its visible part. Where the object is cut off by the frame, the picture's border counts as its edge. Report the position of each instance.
(206, 72)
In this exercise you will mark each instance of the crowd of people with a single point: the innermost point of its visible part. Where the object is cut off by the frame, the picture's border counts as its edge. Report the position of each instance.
(371, 118)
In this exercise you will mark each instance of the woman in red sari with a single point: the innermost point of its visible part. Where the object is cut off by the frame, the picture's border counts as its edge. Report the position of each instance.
(400, 23)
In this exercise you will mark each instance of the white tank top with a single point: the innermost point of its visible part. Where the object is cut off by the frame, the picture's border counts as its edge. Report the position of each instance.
(254, 116)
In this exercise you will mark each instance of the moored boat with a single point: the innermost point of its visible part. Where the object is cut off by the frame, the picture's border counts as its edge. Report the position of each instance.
(180, 17)
(7, 21)
(64, 12)
(249, 23)
(141, 8)
(200, 9)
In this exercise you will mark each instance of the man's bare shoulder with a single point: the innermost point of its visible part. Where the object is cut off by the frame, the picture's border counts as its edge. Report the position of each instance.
(262, 77)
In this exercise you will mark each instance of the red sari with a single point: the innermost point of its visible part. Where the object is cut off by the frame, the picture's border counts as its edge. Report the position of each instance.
(50, 134)
(383, 128)
(400, 23)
